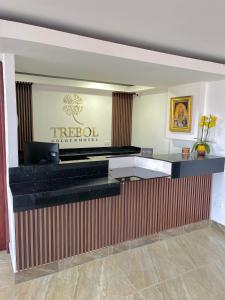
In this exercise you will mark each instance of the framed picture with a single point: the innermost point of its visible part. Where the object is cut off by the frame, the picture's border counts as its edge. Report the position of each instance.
(180, 114)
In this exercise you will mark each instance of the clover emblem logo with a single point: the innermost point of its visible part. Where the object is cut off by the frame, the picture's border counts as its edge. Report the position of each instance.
(73, 106)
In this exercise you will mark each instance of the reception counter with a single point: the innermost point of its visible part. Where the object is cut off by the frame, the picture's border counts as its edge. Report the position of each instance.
(48, 185)
(75, 207)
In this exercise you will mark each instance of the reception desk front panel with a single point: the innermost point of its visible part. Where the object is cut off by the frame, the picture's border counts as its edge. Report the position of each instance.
(143, 207)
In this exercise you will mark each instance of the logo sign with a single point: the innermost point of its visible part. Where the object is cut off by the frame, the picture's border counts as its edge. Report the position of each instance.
(72, 107)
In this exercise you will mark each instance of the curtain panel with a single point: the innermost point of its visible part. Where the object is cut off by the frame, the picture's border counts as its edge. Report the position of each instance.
(24, 112)
(122, 104)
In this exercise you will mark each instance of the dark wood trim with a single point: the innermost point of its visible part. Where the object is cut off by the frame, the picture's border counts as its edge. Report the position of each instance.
(4, 231)
(144, 207)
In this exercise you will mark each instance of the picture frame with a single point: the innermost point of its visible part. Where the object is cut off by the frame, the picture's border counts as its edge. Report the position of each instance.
(181, 114)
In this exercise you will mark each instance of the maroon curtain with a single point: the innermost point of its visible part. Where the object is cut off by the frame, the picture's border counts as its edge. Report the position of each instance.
(24, 112)
(122, 104)
(4, 232)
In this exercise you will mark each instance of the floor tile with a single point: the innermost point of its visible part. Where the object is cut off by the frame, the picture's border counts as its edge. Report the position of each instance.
(137, 266)
(143, 241)
(179, 288)
(204, 283)
(169, 259)
(76, 260)
(36, 272)
(190, 265)
(7, 277)
(171, 232)
(196, 226)
(202, 246)
(7, 293)
(61, 285)
(102, 279)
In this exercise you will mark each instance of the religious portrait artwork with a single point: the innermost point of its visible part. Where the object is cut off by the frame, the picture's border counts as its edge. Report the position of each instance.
(180, 114)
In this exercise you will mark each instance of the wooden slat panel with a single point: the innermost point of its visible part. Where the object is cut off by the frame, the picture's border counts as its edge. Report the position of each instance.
(24, 112)
(143, 207)
(122, 104)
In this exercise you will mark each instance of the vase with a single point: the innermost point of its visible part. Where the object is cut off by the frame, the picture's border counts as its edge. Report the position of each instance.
(201, 150)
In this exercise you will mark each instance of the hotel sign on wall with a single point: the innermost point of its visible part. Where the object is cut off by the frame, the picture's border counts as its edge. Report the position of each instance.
(72, 107)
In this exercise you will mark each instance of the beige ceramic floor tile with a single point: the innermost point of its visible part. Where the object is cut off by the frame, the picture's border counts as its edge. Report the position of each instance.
(197, 226)
(7, 277)
(101, 280)
(219, 268)
(165, 247)
(173, 289)
(61, 285)
(172, 266)
(202, 246)
(135, 296)
(187, 267)
(73, 261)
(150, 293)
(179, 288)
(169, 259)
(137, 266)
(35, 289)
(205, 283)
(36, 272)
(7, 293)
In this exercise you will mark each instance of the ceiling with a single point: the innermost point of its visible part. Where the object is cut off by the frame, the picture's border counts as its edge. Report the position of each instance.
(37, 58)
(189, 28)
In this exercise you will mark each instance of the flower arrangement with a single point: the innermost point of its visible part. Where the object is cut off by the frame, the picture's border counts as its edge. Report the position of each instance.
(202, 146)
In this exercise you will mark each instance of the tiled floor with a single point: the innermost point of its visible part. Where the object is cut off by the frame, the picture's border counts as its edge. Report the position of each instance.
(183, 265)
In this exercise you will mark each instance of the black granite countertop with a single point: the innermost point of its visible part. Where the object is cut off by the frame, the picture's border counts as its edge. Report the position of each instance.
(77, 169)
(192, 165)
(178, 157)
(53, 192)
(189, 165)
(48, 185)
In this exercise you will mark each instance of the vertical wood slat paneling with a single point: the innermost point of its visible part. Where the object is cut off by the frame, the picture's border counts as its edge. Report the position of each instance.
(143, 207)
(122, 104)
(24, 112)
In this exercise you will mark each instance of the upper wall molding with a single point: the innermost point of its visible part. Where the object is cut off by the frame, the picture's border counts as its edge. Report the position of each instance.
(81, 84)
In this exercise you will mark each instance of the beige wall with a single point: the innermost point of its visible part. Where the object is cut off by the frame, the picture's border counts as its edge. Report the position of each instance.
(48, 114)
(149, 122)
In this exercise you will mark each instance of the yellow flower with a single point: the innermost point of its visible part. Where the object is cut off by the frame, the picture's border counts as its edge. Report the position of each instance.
(212, 122)
(203, 121)
(204, 118)
(208, 121)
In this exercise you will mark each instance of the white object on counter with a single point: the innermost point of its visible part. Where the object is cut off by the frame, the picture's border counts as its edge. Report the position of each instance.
(154, 164)
(141, 162)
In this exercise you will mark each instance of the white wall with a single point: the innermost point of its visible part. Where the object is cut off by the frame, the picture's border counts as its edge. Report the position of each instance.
(149, 122)
(11, 139)
(198, 92)
(151, 117)
(48, 113)
(10, 109)
(215, 104)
